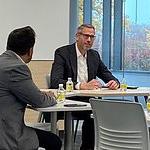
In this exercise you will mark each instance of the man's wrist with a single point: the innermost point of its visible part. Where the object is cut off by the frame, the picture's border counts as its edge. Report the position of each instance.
(77, 86)
(81, 86)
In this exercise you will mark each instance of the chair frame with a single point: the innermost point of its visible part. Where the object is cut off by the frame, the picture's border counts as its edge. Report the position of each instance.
(119, 125)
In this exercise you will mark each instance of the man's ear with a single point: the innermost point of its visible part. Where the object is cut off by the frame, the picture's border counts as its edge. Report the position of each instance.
(77, 37)
(30, 52)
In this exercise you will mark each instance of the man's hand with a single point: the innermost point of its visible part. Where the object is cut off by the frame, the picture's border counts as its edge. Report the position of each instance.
(91, 85)
(113, 85)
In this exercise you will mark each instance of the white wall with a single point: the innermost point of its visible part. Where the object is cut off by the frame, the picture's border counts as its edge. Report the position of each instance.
(49, 19)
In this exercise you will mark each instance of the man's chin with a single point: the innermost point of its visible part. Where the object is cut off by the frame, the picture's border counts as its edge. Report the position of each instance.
(87, 48)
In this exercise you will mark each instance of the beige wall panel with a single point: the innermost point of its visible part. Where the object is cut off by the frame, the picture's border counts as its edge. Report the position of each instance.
(39, 70)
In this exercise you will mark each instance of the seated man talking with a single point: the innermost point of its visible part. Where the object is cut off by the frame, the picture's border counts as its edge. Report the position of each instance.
(83, 65)
(16, 91)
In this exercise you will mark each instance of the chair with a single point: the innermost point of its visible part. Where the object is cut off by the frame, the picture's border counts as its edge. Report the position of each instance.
(119, 125)
(48, 82)
(39, 125)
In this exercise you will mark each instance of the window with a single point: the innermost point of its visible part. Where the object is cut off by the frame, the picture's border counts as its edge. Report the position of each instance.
(80, 12)
(137, 35)
(97, 21)
(122, 31)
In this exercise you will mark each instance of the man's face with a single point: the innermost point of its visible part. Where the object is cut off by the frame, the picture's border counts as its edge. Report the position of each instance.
(85, 39)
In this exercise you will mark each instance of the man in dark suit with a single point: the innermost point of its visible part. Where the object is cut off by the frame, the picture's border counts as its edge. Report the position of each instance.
(83, 65)
(16, 91)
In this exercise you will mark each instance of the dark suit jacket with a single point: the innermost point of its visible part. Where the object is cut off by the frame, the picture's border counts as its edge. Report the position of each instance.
(16, 91)
(65, 65)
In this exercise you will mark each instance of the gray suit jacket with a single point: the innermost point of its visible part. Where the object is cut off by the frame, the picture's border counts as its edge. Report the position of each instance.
(16, 91)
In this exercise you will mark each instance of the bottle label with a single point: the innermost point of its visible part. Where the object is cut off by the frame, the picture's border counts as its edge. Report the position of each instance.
(69, 87)
(123, 87)
(60, 96)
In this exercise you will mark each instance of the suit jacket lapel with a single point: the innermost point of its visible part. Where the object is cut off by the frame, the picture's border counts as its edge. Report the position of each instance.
(89, 66)
(73, 60)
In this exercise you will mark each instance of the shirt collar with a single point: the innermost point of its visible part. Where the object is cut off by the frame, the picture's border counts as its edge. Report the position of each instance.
(79, 53)
(19, 57)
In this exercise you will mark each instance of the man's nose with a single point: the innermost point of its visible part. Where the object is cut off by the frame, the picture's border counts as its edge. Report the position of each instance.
(89, 38)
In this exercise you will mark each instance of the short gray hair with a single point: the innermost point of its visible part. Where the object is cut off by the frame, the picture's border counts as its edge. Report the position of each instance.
(81, 27)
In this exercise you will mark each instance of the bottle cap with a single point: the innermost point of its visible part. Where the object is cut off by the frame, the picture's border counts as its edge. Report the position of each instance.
(60, 85)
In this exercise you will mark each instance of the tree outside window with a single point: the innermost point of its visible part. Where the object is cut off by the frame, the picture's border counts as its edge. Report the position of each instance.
(136, 29)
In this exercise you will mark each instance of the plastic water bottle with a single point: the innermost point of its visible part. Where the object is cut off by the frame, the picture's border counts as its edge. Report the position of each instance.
(123, 85)
(60, 93)
(69, 85)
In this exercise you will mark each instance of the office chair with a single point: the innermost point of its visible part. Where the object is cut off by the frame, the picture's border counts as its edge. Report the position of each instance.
(119, 125)
(39, 124)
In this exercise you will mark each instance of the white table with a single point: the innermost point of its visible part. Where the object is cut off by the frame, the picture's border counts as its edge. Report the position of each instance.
(68, 118)
(104, 92)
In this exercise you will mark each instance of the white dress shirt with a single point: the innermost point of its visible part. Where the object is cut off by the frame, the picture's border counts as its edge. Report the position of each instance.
(82, 70)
